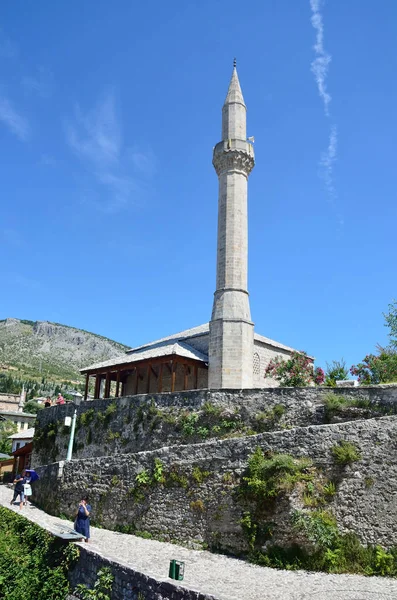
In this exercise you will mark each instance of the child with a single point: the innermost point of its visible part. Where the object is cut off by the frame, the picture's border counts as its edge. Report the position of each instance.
(27, 489)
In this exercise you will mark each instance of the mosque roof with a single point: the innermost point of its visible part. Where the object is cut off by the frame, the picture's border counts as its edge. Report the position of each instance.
(155, 351)
(175, 344)
(203, 330)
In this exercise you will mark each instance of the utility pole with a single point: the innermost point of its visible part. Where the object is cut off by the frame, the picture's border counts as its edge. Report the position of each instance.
(71, 438)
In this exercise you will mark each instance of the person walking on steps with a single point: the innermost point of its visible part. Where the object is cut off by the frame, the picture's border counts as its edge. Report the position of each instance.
(82, 522)
(19, 482)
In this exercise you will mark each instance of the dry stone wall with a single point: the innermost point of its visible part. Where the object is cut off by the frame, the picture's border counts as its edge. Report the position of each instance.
(189, 493)
(136, 423)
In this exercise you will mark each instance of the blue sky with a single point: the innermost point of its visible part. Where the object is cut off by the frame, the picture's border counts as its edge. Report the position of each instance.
(108, 116)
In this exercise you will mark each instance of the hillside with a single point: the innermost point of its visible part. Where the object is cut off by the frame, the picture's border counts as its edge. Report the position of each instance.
(44, 350)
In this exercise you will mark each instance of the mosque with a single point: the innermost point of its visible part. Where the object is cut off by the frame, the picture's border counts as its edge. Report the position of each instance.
(225, 353)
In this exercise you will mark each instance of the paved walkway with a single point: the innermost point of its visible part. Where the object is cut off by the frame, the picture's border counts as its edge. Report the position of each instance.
(222, 577)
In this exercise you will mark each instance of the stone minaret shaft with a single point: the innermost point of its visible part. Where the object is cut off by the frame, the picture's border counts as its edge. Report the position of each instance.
(231, 330)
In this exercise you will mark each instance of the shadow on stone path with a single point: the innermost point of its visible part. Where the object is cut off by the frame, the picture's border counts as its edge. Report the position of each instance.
(218, 576)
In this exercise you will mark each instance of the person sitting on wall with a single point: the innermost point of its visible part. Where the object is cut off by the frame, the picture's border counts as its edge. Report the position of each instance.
(48, 402)
(19, 482)
(60, 399)
(82, 522)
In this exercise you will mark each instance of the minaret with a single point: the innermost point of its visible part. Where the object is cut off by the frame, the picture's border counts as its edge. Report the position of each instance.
(231, 342)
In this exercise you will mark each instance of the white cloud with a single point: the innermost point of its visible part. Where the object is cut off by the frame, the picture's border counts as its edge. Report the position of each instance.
(15, 122)
(96, 139)
(328, 159)
(96, 136)
(321, 62)
(319, 68)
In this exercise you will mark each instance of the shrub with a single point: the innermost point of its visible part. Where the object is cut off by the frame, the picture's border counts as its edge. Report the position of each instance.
(336, 371)
(375, 369)
(197, 505)
(102, 586)
(33, 564)
(268, 477)
(296, 371)
(345, 453)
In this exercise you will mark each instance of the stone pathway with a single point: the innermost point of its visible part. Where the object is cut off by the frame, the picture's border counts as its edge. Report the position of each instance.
(221, 577)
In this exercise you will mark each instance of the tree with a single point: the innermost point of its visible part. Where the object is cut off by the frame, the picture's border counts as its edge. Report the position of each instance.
(296, 371)
(391, 322)
(7, 428)
(377, 369)
(336, 371)
(32, 407)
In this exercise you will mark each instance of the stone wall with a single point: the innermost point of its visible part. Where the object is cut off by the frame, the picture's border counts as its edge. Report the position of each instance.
(136, 423)
(128, 584)
(189, 493)
(9, 402)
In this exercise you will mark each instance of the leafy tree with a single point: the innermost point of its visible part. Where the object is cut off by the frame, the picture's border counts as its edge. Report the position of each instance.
(391, 322)
(32, 407)
(377, 369)
(336, 371)
(7, 428)
(296, 371)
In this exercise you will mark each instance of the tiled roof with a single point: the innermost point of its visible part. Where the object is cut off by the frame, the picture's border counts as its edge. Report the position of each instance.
(164, 349)
(174, 344)
(27, 434)
(204, 329)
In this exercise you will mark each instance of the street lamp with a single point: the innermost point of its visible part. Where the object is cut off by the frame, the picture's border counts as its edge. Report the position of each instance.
(71, 421)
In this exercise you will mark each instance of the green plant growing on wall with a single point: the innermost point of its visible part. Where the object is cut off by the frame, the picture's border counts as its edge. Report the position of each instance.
(143, 477)
(198, 475)
(158, 471)
(267, 477)
(102, 589)
(345, 453)
(197, 506)
(115, 481)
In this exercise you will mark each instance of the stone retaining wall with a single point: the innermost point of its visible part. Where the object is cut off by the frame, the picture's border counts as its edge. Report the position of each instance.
(136, 423)
(194, 499)
(128, 584)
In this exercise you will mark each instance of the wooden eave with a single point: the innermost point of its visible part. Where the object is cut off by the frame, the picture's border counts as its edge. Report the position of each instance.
(131, 366)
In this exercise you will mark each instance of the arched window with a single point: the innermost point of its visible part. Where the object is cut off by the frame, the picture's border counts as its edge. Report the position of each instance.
(256, 365)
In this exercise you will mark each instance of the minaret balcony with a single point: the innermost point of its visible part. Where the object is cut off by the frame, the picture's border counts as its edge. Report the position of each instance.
(234, 155)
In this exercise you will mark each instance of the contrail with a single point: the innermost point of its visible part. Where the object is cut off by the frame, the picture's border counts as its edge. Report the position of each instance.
(319, 69)
(322, 60)
(327, 161)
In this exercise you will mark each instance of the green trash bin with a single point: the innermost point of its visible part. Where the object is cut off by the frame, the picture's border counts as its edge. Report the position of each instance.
(177, 570)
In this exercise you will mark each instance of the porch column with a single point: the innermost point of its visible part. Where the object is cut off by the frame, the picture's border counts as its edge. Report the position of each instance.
(149, 368)
(97, 385)
(87, 379)
(107, 385)
(136, 380)
(118, 383)
(160, 379)
(185, 377)
(173, 375)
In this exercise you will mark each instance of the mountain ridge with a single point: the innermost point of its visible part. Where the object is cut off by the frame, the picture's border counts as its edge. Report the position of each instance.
(54, 350)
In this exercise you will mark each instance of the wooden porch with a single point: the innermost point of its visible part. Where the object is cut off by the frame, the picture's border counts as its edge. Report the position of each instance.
(154, 375)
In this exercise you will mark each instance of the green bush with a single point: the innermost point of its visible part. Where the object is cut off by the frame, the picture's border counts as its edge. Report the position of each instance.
(33, 564)
(102, 586)
(267, 477)
(336, 371)
(345, 453)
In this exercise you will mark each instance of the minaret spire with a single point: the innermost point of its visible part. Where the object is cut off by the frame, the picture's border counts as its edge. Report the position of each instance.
(231, 329)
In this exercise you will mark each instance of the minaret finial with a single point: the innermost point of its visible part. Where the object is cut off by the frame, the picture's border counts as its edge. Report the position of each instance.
(234, 62)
